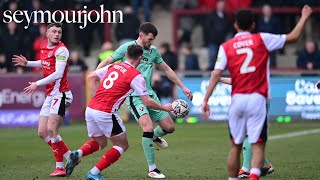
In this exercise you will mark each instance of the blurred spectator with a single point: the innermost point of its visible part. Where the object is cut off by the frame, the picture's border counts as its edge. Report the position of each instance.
(39, 41)
(217, 28)
(186, 23)
(147, 6)
(162, 87)
(3, 64)
(270, 24)
(191, 59)
(309, 57)
(129, 30)
(207, 4)
(12, 41)
(169, 56)
(76, 64)
(106, 51)
(37, 44)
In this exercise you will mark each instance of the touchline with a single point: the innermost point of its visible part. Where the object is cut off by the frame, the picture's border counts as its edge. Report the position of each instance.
(80, 16)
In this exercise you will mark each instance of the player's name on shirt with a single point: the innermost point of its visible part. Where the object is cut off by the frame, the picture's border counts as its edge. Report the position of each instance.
(120, 68)
(242, 44)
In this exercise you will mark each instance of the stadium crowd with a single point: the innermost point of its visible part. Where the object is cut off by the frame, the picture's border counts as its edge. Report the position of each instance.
(216, 26)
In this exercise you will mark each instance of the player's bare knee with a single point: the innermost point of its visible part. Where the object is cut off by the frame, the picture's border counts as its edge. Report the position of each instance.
(42, 134)
(169, 130)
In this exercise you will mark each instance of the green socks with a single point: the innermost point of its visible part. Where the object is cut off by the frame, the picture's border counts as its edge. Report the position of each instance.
(247, 153)
(148, 148)
(158, 132)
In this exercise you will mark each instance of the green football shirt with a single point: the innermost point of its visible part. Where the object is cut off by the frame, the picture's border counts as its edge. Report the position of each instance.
(149, 57)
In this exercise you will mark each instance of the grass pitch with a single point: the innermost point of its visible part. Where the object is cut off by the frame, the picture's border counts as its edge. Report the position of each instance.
(196, 152)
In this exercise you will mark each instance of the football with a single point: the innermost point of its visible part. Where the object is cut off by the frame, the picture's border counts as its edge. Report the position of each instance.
(180, 108)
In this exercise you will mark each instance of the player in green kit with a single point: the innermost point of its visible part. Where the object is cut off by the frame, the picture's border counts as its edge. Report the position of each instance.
(246, 149)
(144, 115)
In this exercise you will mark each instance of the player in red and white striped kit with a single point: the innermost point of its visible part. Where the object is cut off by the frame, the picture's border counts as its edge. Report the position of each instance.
(54, 64)
(247, 58)
(118, 81)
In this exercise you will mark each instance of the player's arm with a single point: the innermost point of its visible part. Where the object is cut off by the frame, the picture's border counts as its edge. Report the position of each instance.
(95, 77)
(106, 62)
(22, 61)
(221, 64)
(62, 55)
(225, 80)
(174, 78)
(295, 33)
(117, 55)
(138, 84)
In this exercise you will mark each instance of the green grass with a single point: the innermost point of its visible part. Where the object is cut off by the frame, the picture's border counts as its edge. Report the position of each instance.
(195, 152)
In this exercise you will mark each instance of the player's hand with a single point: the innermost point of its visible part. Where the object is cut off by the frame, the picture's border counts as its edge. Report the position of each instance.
(188, 93)
(31, 88)
(19, 60)
(205, 110)
(306, 11)
(168, 107)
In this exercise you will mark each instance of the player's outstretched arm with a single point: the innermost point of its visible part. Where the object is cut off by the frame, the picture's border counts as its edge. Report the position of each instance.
(214, 79)
(105, 62)
(295, 33)
(175, 79)
(22, 61)
(152, 104)
(225, 80)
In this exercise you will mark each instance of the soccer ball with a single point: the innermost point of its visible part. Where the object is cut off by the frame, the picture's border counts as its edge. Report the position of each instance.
(180, 108)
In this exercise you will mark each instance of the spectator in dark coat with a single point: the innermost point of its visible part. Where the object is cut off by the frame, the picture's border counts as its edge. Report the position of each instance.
(129, 30)
(76, 64)
(309, 57)
(191, 59)
(269, 24)
(217, 28)
(168, 56)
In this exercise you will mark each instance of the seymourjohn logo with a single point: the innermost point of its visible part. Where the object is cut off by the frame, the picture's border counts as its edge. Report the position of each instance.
(82, 16)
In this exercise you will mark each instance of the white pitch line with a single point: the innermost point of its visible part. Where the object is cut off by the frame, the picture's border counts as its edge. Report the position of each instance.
(294, 134)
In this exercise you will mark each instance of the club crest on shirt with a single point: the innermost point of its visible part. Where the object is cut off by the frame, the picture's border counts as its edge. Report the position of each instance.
(50, 54)
(141, 108)
(150, 51)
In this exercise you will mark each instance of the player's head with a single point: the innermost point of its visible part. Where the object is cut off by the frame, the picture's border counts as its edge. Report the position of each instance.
(134, 53)
(147, 34)
(54, 33)
(244, 21)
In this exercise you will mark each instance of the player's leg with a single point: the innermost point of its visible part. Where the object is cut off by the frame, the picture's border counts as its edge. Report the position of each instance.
(42, 129)
(118, 137)
(237, 129)
(165, 125)
(99, 139)
(257, 127)
(247, 156)
(141, 114)
(59, 105)
(43, 120)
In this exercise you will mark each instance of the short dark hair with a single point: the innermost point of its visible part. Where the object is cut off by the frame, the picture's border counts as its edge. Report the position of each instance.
(244, 19)
(54, 25)
(147, 28)
(134, 51)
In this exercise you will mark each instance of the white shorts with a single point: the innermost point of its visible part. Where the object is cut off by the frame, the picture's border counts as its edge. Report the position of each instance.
(248, 116)
(56, 104)
(102, 123)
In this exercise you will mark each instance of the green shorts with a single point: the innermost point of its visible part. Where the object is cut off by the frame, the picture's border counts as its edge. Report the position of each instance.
(138, 109)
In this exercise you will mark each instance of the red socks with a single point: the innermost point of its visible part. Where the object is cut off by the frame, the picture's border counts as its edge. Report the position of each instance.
(90, 147)
(111, 156)
(59, 148)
